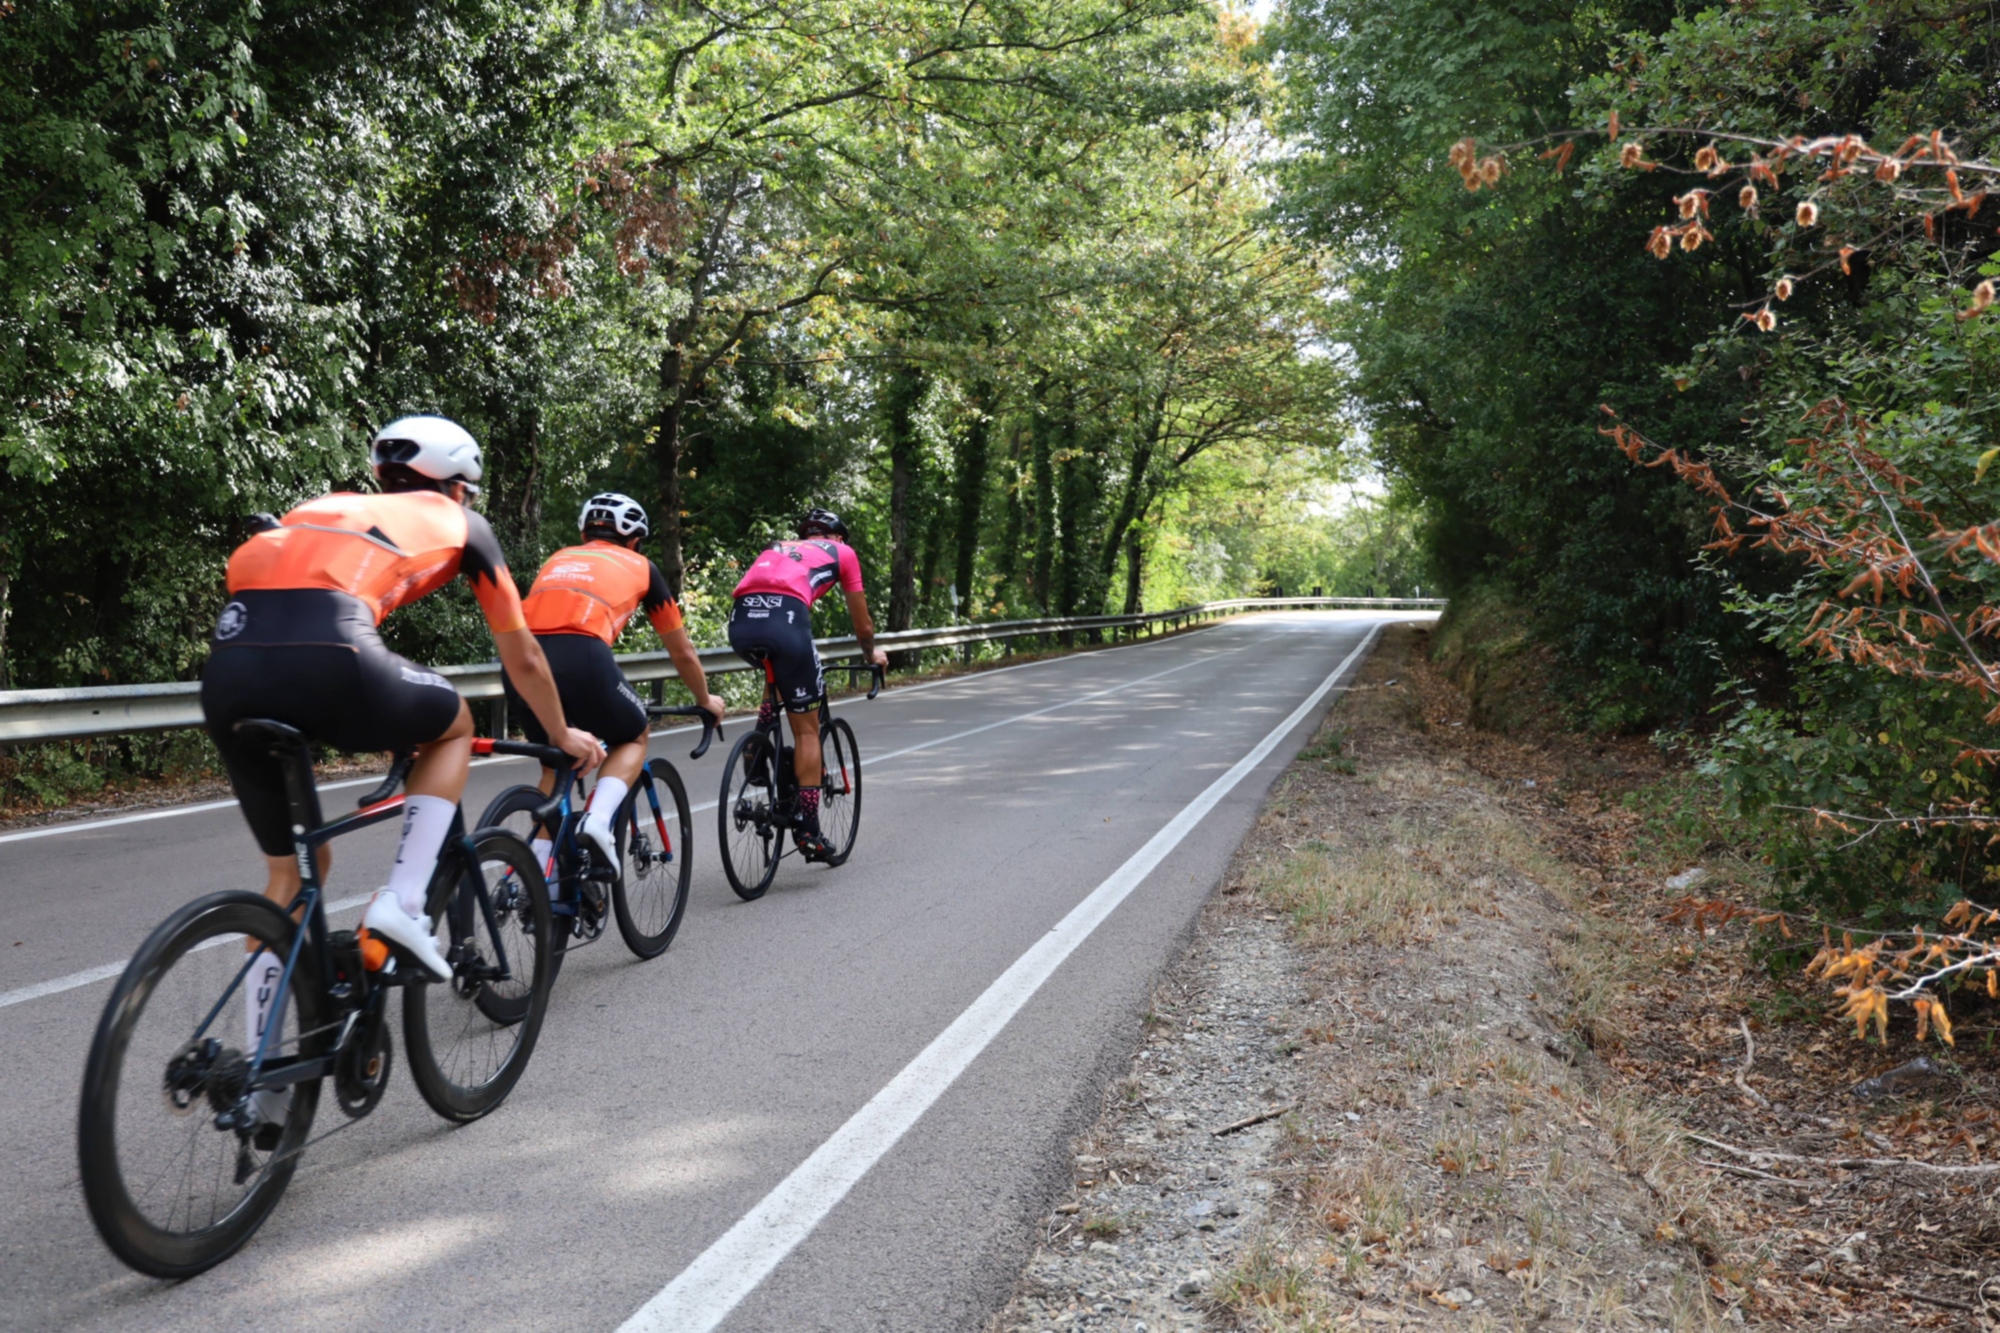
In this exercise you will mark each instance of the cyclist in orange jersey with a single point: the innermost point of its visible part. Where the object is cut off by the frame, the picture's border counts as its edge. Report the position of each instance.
(298, 643)
(577, 607)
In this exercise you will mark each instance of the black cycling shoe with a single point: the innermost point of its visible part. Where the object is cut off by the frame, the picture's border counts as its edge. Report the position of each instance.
(812, 845)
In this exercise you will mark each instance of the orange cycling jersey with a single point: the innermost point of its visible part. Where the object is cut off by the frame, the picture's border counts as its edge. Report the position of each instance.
(595, 588)
(387, 550)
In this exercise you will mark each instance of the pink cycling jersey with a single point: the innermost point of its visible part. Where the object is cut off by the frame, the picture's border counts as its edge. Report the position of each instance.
(805, 570)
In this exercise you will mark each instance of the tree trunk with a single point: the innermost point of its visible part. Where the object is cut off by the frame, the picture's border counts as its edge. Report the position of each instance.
(1044, 478)
(905, 392)
(1135, 569)
(971, 496)
(1133, 501)
(667, 459)
(515, 483)
(1015, 534)
(6, 598)
(934, 540)
(1080, 587)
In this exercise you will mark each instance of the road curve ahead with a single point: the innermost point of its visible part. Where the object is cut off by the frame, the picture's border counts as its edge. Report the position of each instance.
(836, 1108)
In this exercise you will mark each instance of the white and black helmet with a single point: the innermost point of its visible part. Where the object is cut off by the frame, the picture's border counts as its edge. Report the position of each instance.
(434, 447)
(620, 513)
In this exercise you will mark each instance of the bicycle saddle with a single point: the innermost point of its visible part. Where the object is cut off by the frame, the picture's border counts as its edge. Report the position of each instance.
(275, 733)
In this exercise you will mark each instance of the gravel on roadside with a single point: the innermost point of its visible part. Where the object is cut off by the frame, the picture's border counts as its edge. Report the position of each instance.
(1390, 978)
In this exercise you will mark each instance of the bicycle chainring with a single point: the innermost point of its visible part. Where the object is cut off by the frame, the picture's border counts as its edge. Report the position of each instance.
(361, 1073)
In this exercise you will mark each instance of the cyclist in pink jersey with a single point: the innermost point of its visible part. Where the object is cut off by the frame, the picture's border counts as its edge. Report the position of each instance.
(772, 622)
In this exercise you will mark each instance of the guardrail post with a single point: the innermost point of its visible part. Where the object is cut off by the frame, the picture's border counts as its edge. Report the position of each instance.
(499, 718)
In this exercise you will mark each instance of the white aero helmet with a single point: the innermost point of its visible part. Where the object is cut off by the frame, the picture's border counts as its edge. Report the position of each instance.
(620, 513)
(434, 447)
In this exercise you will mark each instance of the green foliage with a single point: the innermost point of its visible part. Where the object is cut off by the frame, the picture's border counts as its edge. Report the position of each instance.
(1489, 323)
(1487, 327)
(999, 282)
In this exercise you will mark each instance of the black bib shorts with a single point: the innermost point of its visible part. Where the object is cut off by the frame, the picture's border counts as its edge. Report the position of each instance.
(595, 695)
(312, 659)
(776, 628)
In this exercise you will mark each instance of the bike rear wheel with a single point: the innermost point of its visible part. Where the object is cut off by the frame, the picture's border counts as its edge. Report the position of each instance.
(746, 820)
(654, 863)
(171, 1194)
(514, 810)
(462, 1059)
(839, 790)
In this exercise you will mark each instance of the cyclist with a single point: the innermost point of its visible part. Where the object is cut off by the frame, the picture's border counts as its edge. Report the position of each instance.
(298, 643)
(772, 622)
(576, 609)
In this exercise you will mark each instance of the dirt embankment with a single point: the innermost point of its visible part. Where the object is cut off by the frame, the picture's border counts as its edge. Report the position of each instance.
(1498, 1088)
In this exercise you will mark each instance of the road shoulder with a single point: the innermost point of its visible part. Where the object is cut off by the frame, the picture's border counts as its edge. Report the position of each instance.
(1382, 978)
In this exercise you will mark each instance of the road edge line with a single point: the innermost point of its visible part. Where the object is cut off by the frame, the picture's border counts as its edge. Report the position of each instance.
(709, 1289)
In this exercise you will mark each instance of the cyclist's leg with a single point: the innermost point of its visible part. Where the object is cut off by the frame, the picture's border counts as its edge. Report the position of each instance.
(436, 782)
(405, 706)
(805, 748)
(596, 697)
(242, 681)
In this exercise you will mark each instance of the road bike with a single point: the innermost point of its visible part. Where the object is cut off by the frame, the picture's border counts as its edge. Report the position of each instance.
(186, 1141)
(648, 891)
(759, 803)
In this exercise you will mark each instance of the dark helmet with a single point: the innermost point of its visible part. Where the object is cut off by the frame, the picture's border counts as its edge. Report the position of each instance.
(818, 522)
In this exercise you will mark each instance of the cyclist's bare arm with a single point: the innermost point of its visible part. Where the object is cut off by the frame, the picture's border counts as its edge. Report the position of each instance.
(681, 649)
(864, 627)
(529, 671)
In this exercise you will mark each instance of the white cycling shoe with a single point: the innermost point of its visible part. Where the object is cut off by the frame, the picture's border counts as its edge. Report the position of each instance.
(602, 842)
(385, 917)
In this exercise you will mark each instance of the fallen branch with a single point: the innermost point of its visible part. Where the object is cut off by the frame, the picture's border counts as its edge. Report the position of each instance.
(1749, 1058)
(1847, 1163)
(1754, 1174)
(1257, 1119)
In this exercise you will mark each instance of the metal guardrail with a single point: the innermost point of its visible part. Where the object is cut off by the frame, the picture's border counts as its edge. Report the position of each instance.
(108, 710)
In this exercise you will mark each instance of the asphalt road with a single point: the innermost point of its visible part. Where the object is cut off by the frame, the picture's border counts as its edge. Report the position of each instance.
(1023, 829)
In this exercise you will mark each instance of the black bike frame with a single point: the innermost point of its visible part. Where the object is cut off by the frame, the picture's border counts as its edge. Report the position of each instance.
(309, 833)
(786, 779)
(560, 811)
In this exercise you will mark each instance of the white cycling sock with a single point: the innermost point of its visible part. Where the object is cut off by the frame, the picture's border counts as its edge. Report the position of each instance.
(426, 820)
(543, 849)
(260, 989)
(604, 804)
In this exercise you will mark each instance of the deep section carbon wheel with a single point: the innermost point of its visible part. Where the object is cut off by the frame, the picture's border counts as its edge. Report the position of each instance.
(747, 823)
(840, 790)
(171, 1193)
(651, 893)
(463, 1060)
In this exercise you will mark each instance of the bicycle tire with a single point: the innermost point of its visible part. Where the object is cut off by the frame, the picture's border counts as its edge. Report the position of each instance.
(513, 810)
(452, 1008)
(205, 929)
(749, 835)
(645, 878)
(840, 791)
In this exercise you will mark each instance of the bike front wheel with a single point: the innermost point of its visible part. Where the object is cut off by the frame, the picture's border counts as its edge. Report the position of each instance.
(839, 790)
(746, 820)
(492, 923)
(171, 1193)
(514, 810)
(650, 894)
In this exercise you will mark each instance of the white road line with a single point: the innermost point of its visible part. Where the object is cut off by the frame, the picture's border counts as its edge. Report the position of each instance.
(715, 1283)
(52, 830)
(109, 970)
(1010, 721)
(100, 973)
(84, 826)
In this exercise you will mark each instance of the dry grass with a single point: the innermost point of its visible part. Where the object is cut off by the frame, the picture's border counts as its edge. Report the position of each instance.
(1463, 1150)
